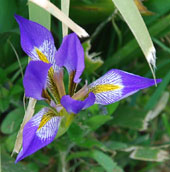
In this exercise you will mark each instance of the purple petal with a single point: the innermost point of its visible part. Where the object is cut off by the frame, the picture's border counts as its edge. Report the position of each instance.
(35, 79)
(71, 55)
(75, 106)
(33, 35)
(116, 85)
(36, 137)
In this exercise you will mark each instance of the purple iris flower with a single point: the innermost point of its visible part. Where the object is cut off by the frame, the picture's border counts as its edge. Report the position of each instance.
(43, 80)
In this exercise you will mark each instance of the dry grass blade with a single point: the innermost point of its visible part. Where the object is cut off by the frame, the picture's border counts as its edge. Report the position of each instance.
(65, 5)
(56, 12)
(28, 115)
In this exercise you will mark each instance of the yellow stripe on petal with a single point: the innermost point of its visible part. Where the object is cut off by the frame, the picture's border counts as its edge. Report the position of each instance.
(104, 88)
(41, 56)
(46, 117)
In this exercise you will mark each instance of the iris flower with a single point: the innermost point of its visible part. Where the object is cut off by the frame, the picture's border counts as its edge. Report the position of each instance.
(43, 80)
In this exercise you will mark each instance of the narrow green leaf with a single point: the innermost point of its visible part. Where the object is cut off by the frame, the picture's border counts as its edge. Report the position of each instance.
(65, 5)
(132, 16)
(39, 15)
(163, 46)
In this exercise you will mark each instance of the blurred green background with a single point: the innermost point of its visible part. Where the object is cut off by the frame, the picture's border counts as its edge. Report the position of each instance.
(132, 135)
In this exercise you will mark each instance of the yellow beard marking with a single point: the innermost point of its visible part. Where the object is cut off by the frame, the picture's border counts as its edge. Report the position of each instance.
(104, 88)
(41, 56)
(46, 117)
(51, 73)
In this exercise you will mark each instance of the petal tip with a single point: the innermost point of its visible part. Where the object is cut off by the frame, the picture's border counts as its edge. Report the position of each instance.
(19, 158)
(77, 80)
(158, 81)
(18, 18)
(72, 35)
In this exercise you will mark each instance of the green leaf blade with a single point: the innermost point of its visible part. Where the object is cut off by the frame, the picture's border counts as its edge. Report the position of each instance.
(132, 16)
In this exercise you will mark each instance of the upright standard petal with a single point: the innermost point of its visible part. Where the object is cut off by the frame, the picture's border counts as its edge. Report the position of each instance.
(75, 106)
(39, 132)
(35, 79)
(36, 41)
(116, 85)
(71, 55)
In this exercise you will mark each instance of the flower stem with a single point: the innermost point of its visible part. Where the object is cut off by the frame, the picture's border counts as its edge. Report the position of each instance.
(63, 161)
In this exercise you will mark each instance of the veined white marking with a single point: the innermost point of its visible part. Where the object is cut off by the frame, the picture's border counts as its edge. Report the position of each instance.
(49, 129)
(108, 96)
(108, 78)
(49, 51)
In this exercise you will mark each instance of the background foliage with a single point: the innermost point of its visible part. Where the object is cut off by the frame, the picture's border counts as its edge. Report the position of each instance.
(132, 135)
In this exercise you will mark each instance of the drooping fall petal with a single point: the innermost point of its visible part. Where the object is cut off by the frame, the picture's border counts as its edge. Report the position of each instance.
(39, 132)
(116, 85)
